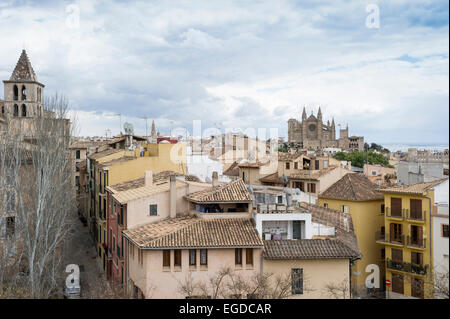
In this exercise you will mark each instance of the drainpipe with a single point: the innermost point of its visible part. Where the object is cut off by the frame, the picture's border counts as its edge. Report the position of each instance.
(431, 238)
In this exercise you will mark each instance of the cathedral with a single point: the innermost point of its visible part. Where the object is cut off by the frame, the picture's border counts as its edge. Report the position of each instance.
(312, 133)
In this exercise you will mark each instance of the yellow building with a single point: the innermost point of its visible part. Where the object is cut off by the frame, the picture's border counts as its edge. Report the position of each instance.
(115, 166)
(355, 194)
(406, 237)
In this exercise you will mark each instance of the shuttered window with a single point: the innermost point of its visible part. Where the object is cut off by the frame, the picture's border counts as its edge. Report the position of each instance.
(249, 256)
(397, 255)
(416, 208)
(166, 258)
(396, 206)
(177, 258)
(192, 257)
(203, 257)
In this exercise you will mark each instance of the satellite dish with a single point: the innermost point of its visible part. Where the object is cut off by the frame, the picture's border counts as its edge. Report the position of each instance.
(128, 127)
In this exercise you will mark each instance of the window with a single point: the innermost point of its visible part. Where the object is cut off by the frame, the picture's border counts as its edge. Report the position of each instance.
(396, 207)
(141, 257)
(296, 165)
(243, 176)
(16, 110)
(238, 256)
(24, 110)
(416, 208)
(444, 230)
(16, 93)
(297, 281)
(192, 257)
(374, 173)
(345, 209)
(177, 258)
(77, 180)
(203, 257)
(77, 154)
(317, 164)
(325, 205)
(24, 93)
(153, 210)
(382, 209)
(383, 253)
(249, 256)
(3, 110)
(166, 258)
(311, 187)
(417, 258)
(280, 199)
(325, 163)
(288, 165)
(114, 243)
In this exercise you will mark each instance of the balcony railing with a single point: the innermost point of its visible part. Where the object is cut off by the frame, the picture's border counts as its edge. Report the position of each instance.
(390, 238)
(417, 216)
(395, 213)
(416, 242)
(407, 267)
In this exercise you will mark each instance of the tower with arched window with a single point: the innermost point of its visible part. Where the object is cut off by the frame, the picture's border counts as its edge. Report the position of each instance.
(23, 92)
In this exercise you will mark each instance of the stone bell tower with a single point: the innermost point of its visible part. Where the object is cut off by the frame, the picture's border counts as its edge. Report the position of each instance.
(24, 95)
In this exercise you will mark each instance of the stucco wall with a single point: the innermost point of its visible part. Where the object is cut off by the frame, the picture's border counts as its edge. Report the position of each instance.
(317, 275)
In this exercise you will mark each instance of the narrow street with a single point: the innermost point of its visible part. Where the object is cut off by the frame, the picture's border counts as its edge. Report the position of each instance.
(81, 251)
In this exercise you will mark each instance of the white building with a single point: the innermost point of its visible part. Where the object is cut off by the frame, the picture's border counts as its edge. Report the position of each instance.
(440, 229)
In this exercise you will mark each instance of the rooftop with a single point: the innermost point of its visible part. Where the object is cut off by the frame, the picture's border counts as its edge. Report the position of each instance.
(23, 71)
(413, 189)
(232, 170)
(140, 182)
(272, 178)
(193, 232)
(306, 249)
(231, 192)
(104, 153)
(353, 187)
(311, 174)
(342, 222)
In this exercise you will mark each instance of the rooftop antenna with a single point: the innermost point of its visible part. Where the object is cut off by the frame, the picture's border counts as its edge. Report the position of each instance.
(120, 124)
(146, 127)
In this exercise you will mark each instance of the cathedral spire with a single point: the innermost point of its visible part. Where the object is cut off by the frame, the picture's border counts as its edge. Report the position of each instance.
(332, 122)
(23, 70)
(153, 134)
(304, 113)
(319, 114)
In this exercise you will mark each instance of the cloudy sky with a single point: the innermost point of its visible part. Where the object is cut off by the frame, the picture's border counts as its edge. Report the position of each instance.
(240, 64)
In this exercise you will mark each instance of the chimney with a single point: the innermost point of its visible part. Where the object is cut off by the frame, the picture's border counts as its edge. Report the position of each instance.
(148, 179)
(173, 197)
(215, 179)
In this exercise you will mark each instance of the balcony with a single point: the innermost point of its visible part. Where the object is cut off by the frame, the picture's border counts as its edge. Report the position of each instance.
(417, 216)
(415, 242)
(390, 238)
(407, 267)
(396, 214)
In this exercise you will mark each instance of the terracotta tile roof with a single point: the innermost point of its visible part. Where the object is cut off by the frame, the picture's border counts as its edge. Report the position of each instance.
(124, 197)
(414, 189)
(116, 161)
(190, 232)
(140, 182)
(272, 178)
(252, 164)
(306, 249)
(231, 192)
(353, 187)
(288, 156)
(86, 144)
(104, 153)
(342, 222)
(315, 174)
(232, 170)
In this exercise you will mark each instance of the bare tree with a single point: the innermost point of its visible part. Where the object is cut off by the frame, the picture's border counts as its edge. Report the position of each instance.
(36, 176)
(338, 290)
(227, 283)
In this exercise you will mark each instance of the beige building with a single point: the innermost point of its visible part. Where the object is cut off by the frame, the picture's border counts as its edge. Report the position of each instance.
(380, 175)
(197, 236)
(312, 133)
(317, 256)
